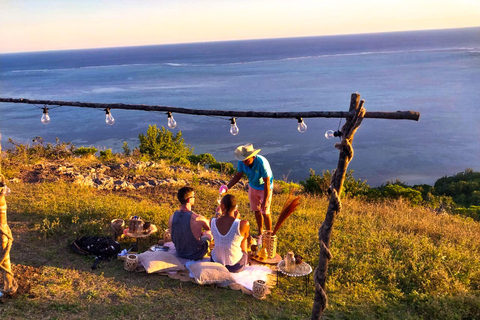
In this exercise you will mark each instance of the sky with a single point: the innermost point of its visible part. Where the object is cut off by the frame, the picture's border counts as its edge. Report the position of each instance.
(40, 25)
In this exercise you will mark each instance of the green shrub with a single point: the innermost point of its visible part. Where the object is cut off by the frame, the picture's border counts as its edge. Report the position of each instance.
(126, 149)
(106, 154)
(464, 187)
(395, 191)
(38, 149)
(203, 159)
(223, 167)
(285, 187)
(472, 212)
(162, 144)
(319, 185)
(85, 151)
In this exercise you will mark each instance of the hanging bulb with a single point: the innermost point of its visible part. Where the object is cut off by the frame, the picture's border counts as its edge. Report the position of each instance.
(233, 127)
(302, 127)
(108, 117)
(45, 117)
(170, 121)
(331, 134)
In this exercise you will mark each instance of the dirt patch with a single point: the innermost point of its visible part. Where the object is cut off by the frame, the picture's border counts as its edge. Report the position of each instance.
(27, 277)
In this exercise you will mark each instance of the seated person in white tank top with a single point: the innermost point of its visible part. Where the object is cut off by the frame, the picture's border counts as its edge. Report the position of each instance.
(230, 236)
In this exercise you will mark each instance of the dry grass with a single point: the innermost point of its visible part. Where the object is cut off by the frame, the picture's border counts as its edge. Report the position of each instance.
(390, 260)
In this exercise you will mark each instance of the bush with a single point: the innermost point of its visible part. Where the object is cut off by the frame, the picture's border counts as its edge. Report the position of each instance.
(319, 185)
(38, 149)
(126, 149)
(162, 144)
(106, 154)
(203, 159)
(464, 187)
(85, 151)
(223, 167)
(395, 191)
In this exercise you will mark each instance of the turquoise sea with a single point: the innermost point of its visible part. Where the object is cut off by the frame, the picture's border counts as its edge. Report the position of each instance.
(434, 72)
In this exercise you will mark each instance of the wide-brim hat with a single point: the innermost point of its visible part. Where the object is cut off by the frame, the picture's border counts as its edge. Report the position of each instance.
(246, 151)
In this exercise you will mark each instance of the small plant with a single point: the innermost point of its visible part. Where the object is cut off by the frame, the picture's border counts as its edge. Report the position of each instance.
(223, 167)
(106, 154)
(203, 159)
(85, 151)
(126, 149)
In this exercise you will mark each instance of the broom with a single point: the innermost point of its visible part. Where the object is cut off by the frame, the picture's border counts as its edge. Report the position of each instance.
(288, 208)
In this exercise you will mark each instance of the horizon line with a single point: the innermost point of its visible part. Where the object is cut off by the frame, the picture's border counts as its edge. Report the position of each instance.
(234, 40)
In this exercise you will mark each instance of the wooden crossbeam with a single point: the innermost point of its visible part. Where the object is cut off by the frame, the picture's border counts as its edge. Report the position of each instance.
(398, 115)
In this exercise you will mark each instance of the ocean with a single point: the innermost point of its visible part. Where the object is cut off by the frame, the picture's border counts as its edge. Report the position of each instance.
(436, 73)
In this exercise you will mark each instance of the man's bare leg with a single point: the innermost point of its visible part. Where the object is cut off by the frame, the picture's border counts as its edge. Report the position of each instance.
(268, 221)
(259, 218)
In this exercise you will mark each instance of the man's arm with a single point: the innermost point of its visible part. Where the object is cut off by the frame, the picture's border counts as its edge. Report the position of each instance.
(204, 227)
(170, 223)
(235, 179)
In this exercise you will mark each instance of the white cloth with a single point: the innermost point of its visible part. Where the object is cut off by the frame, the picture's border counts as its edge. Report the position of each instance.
(227, 250)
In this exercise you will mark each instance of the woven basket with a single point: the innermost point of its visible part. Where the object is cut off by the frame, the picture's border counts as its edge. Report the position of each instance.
(269, 242)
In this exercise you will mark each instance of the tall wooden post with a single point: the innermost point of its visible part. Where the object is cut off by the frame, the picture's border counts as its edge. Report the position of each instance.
(9, 283)
(346, 153)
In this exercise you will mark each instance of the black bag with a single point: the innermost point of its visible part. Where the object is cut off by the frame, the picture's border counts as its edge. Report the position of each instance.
(103, 248)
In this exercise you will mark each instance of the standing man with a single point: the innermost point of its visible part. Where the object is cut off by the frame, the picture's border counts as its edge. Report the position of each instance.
(190, 231)
(260, 183)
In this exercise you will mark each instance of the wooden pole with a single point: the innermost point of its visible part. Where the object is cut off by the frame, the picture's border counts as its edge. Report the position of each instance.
(346, 153)
(399, 115)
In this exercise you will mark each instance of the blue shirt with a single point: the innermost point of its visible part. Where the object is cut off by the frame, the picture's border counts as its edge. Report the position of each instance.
(259, 170)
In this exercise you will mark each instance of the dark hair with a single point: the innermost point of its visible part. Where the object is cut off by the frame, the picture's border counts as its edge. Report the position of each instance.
(184, 194)
(230, 202)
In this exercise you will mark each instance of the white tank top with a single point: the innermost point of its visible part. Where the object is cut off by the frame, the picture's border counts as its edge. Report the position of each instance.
(227, 250)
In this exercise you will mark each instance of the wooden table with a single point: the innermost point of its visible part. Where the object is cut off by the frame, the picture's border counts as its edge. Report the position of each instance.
(145, 234)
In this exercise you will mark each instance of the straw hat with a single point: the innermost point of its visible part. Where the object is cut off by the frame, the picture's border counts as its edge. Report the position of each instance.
(246, 151)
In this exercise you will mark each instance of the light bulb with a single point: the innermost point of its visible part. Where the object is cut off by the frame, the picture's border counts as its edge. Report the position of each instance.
(108, 117)
(170, 121)
(330, 134)
(45, 117)
(233, 127)
(302, 127)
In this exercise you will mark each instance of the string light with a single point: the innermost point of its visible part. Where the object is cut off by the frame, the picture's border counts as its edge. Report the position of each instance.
(170, 121)
(233, 127)
(302, 127)
(108, 117)
(331, 134)
(45, 117)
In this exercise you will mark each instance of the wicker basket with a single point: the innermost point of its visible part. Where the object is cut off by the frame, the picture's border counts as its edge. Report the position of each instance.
(269, 242)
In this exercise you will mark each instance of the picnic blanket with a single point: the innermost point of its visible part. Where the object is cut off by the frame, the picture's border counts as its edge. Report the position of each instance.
(203, 272)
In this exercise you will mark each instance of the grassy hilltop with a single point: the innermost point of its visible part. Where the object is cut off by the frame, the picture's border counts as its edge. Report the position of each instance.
(392, 259)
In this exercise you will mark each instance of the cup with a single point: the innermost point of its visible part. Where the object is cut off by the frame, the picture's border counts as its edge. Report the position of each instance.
(146, 227)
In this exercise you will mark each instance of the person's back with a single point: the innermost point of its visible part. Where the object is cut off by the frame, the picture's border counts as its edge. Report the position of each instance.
(230, 235)
(186, 228)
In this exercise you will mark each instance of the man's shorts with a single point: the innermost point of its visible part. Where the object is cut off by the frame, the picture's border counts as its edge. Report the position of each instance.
(256, 198)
